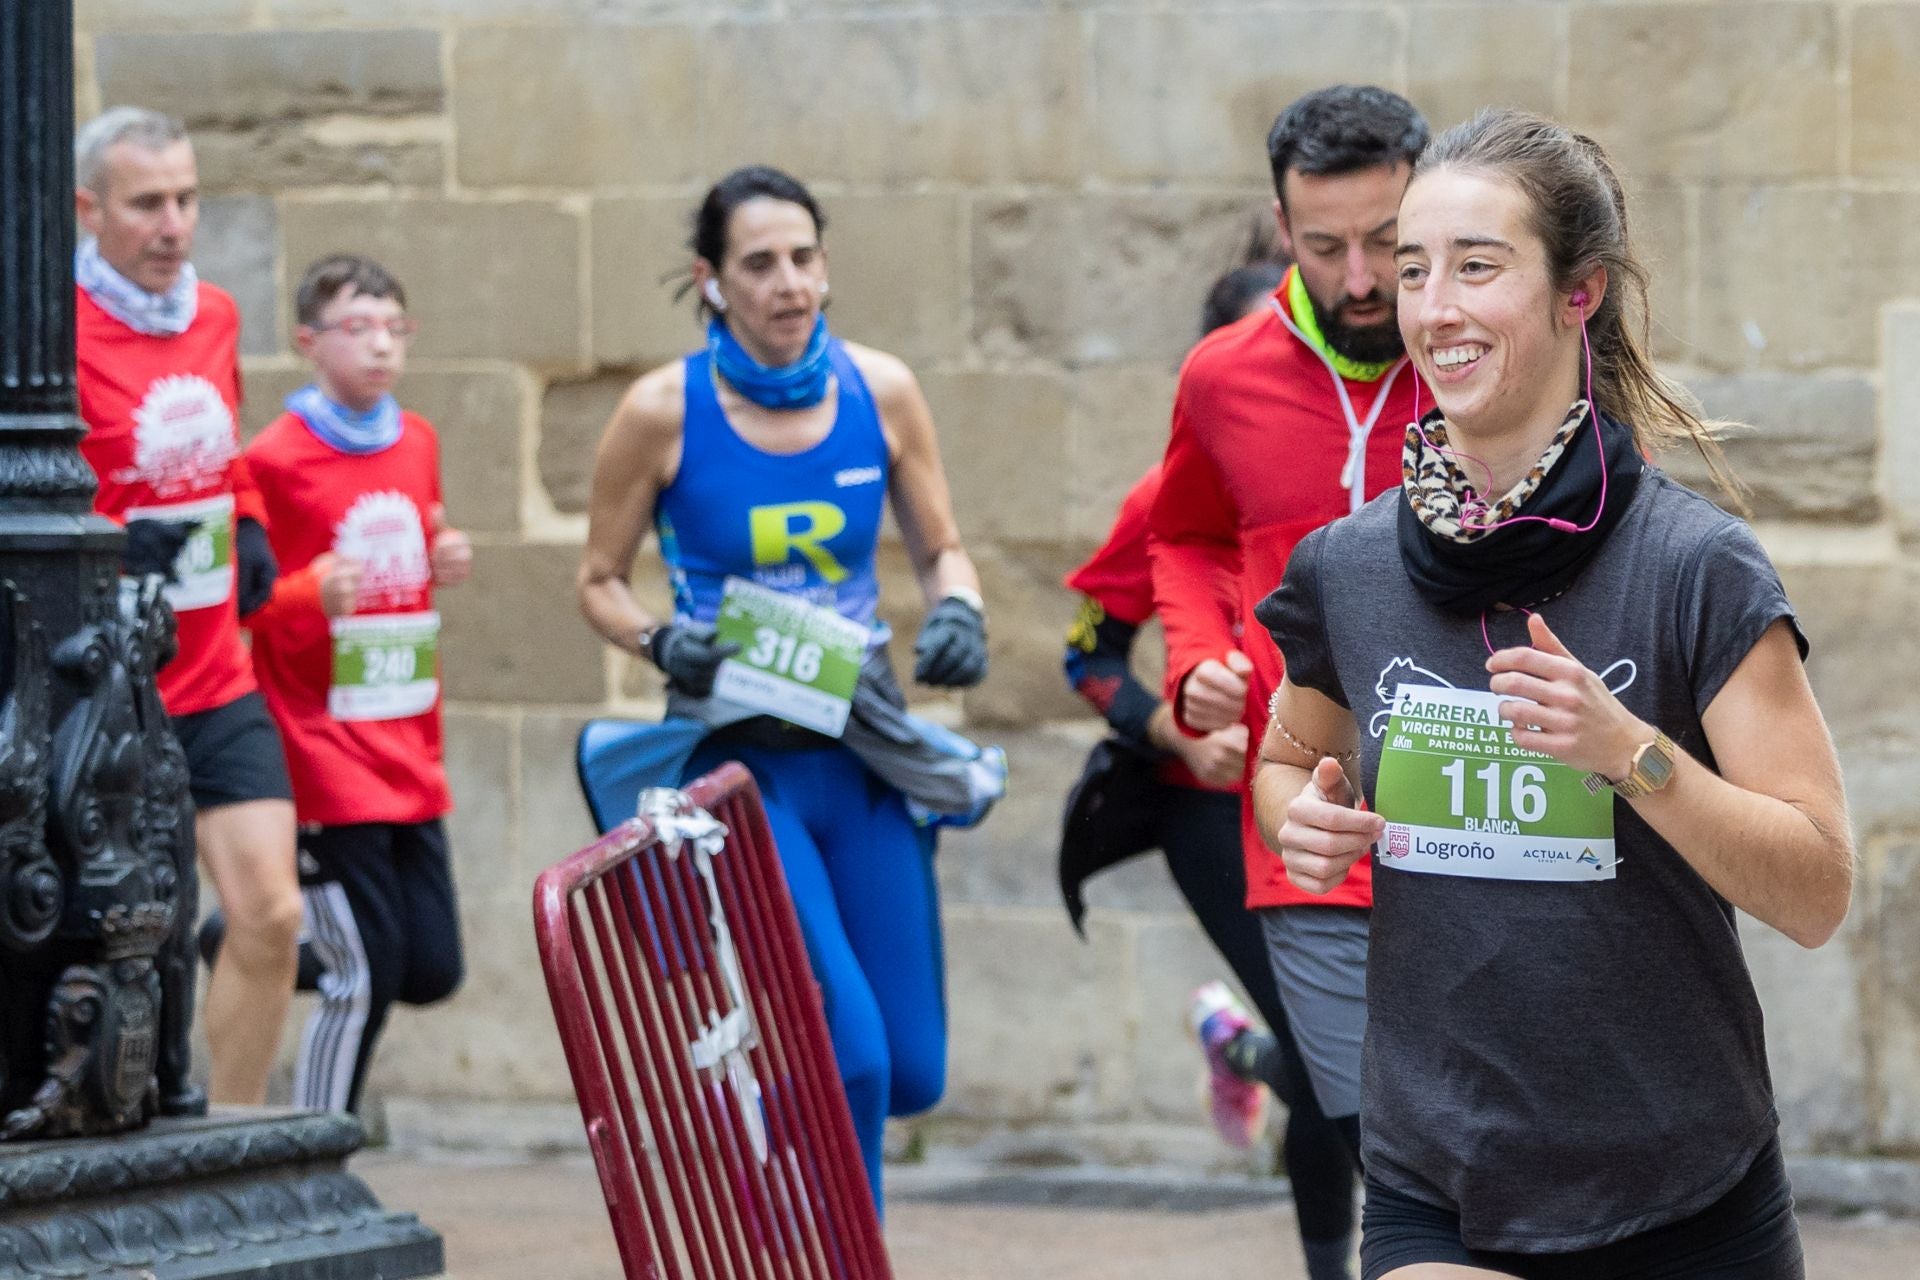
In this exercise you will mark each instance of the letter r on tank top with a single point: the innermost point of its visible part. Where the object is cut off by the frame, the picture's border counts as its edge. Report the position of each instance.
(781, 529)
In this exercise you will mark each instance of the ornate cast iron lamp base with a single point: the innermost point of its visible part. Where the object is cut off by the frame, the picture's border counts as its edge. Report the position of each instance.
(263, 1194)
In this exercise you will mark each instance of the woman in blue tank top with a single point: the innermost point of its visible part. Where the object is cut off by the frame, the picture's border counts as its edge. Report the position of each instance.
(763, 462)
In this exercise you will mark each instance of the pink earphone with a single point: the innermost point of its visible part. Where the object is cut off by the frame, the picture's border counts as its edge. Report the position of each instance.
(1474, 506)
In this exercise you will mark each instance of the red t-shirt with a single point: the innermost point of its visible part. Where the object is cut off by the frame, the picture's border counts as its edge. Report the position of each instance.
(162, 437)
(357, 698)
(1119, 577)
(1260, 441)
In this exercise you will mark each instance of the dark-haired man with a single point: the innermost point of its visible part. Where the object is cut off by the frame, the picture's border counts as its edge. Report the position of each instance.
(1283, 422)
(159, 381)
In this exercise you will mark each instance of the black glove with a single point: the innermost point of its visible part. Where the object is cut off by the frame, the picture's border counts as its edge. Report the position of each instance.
(257, 568)
(689, 654)
(952, 647)
(153, 546)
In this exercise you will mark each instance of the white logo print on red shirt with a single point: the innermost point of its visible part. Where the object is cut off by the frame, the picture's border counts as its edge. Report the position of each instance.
(382, 530)
(183, 437)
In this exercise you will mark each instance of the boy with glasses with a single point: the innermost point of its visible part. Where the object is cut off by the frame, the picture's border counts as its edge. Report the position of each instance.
(347, 655)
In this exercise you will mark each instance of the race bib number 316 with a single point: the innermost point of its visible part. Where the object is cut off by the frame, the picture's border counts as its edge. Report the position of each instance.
(1462, 799)
(797, 661)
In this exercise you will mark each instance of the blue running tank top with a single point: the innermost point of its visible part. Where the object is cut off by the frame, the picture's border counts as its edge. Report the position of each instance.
(802, 523)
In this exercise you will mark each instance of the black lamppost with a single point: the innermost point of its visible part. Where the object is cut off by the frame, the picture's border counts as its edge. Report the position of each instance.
(96, 860)
(97, 881)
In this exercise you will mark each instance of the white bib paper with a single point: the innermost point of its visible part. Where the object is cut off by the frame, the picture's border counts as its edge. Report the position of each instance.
(1462, 799)
(203, 571)
(797, 661)
(385, 666)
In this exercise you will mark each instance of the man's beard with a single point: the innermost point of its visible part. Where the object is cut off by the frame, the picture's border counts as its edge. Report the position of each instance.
(1365, 343)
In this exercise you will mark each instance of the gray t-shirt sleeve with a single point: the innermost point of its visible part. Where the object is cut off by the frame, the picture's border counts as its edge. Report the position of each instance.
(1733, 595)
(1293, 616)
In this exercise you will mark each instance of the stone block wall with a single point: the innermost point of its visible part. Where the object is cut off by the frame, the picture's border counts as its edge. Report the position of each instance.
(1027, 200)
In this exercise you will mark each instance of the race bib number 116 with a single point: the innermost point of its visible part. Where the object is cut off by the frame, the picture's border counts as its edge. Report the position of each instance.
(1462, 799)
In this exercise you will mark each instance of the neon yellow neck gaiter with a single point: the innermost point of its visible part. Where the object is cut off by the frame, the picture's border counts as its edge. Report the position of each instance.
(1302, 308)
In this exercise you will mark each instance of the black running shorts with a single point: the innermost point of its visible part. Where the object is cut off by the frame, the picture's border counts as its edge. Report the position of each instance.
(1747, 1234)
(233, 754)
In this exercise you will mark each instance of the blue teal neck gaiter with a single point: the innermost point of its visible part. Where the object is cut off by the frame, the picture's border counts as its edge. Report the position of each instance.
(799, 385)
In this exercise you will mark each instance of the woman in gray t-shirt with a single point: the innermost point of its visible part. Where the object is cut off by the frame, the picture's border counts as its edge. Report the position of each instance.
(1572, 693)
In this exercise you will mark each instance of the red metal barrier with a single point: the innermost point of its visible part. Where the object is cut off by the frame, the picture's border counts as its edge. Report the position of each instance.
(699, 1052)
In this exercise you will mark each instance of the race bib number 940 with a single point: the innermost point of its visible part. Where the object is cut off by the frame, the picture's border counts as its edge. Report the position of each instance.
(1462, 799)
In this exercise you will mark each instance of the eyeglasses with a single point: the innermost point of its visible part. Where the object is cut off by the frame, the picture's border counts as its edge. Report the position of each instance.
(400, 328)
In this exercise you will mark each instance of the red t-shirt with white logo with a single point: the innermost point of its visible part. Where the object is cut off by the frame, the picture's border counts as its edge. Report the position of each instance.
(357, 698)
(162, 419)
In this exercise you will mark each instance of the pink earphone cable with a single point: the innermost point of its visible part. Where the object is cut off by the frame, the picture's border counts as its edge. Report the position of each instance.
(1486, 639)
(1579, 299)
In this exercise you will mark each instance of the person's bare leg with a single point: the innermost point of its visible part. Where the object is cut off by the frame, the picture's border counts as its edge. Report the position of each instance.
(248, 851)
(1437, 1271)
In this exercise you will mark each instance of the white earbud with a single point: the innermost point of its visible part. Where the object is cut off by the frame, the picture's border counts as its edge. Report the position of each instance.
(711, 288)
(823, 288)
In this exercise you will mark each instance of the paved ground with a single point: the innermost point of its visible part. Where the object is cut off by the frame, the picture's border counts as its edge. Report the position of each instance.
(544, 1219)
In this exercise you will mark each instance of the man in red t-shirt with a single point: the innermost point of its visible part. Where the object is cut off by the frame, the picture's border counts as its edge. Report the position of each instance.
(347, 652)
(1282, 422)
(159, 383)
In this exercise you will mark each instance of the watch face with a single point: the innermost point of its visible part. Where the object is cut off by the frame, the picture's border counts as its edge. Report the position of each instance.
(1656, 765)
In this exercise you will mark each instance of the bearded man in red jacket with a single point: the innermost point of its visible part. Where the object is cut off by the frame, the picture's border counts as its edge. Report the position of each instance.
(1285, 421)
(159, 383)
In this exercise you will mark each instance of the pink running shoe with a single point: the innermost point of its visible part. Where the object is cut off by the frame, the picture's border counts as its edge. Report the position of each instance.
(1238, 1107)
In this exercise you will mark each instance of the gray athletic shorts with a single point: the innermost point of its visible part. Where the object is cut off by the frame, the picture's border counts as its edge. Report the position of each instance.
(1319, 959)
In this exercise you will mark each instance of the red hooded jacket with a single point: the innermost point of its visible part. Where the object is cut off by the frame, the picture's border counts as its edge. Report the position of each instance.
(1262, 454)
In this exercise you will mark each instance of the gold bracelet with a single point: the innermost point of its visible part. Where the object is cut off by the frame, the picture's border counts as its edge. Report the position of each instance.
(1312, 752)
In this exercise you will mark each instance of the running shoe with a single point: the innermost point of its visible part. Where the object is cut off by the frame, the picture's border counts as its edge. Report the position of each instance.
(1238, 1107)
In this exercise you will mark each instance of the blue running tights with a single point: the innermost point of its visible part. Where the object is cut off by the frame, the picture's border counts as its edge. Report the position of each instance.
(861, 876)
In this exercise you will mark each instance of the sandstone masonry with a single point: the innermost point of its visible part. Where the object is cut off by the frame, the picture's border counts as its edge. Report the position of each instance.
(1027, 202)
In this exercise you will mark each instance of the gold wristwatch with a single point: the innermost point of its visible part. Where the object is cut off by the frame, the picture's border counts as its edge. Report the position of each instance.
(1652, 770)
